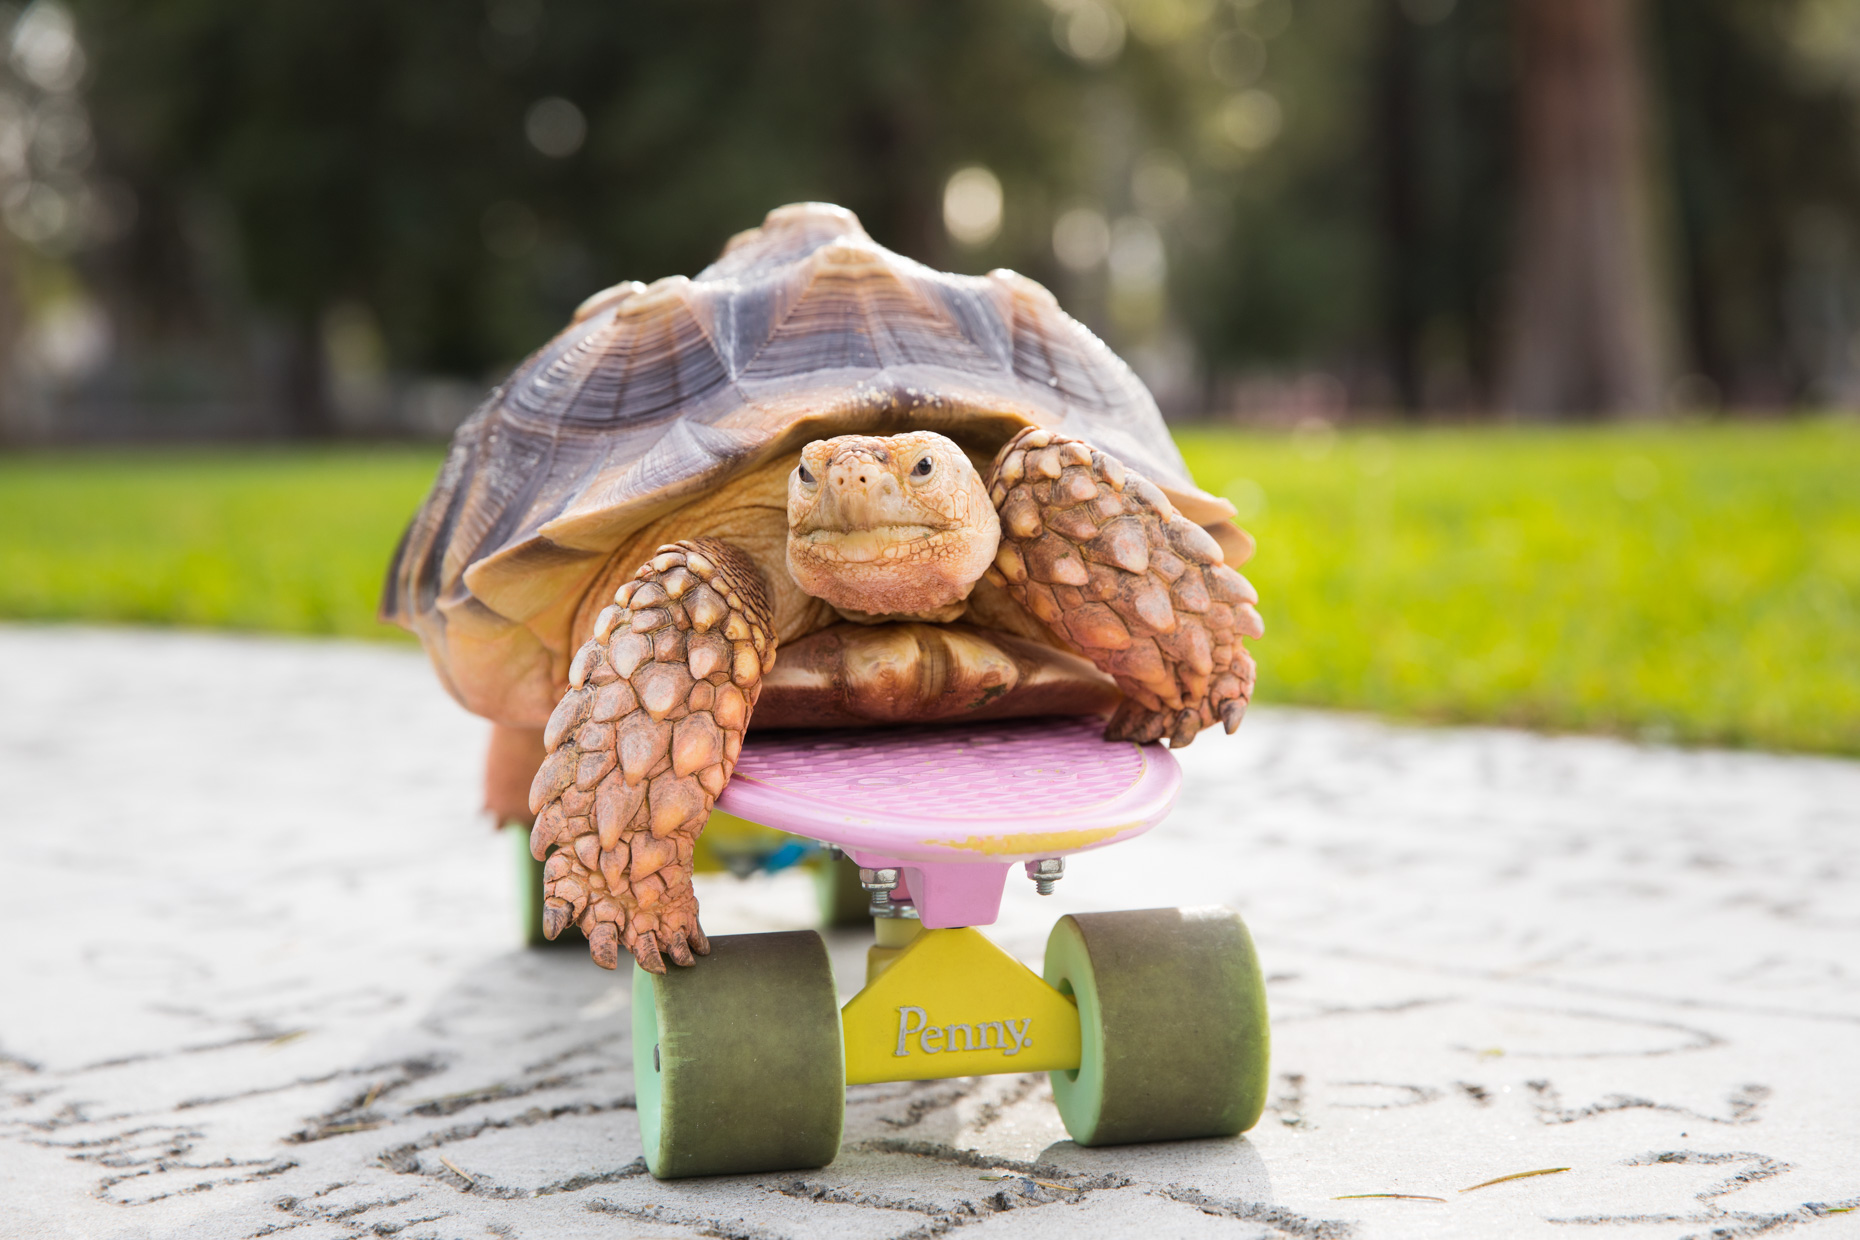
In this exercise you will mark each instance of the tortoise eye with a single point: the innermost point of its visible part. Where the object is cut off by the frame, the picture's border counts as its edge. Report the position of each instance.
(807, 479)
(922, 468)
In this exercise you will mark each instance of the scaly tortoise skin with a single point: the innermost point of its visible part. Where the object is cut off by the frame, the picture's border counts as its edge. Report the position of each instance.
(937, 496)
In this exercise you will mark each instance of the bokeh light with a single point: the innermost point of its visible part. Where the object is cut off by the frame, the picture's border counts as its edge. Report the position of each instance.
(972, 204)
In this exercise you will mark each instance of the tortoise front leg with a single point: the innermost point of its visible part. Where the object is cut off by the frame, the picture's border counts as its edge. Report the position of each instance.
(641, 746)
(1102, 557)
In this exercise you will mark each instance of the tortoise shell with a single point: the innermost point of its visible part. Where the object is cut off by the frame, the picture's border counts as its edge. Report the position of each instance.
(804, 328)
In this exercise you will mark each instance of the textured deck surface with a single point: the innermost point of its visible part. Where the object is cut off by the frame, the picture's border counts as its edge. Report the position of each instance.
(256, 978)
(1004, 789)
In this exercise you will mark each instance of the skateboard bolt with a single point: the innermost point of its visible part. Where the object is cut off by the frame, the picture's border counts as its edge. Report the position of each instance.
(1045, 872)
(881, 883)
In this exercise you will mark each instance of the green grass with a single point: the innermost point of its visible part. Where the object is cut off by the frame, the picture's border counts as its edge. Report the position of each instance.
(272, 540)
(1697, 583)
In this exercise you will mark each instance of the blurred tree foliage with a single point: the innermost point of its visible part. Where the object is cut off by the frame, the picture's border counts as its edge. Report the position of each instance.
(1760, 113)
(401, 156)
(1220, 186)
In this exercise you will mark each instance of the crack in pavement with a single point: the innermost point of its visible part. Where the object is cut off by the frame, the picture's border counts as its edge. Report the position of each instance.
(1024, 1194)
(1745, 1102)
(947, 1094)
(481, 1184)
(592, 1047)
(809, 1190)
(405, 1158)
(264, 1034)
(1725, 1224)
(1023, 1088)
(1417, 1095)
(452, 1104)
(356, 1114)
(160, 1151)
(265, 1169)
(979, 1161)
(1589, 990)
(1289, 1103)
(737, 1229)
(1325, 1011)
(1697, 1039)
(1278, 1218)
(343, 1217)
(13, 1063)
(412, 1068)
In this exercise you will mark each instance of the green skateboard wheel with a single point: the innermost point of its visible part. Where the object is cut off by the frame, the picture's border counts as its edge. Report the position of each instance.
(1172, 1023)
(737, 1063)
(843, 901)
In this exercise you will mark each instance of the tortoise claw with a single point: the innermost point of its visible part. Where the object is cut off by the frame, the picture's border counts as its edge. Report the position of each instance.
(604, 945)
(1132, 722)
(646, 951)
(680, 950)
(557, 913)
(1187, 724)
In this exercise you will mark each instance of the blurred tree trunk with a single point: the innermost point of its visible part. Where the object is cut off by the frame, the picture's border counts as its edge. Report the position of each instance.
(14, 427)
(302, 391)
(1584, 327)
(1399, 210)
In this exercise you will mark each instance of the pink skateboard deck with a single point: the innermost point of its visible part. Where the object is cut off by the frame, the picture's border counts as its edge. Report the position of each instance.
(955, 806)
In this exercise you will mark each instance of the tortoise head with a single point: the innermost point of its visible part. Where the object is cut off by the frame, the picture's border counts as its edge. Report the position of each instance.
(896, 525)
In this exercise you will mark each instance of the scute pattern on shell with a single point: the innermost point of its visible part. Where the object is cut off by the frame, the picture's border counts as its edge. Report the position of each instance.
(804, 328)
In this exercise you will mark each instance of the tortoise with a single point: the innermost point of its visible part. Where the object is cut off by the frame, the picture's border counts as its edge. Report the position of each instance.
(939, 497)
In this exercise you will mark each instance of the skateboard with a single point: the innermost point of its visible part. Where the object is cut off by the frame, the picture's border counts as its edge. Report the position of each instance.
(1150, 1023)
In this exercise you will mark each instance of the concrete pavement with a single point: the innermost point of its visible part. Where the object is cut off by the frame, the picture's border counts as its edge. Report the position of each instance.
(259, 979)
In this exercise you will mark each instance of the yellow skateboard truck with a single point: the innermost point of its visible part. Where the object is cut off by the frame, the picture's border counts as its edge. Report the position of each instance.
(943, 1003)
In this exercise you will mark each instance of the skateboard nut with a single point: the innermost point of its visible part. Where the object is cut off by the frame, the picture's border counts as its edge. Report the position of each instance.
(1045, 872)
(881, 883)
